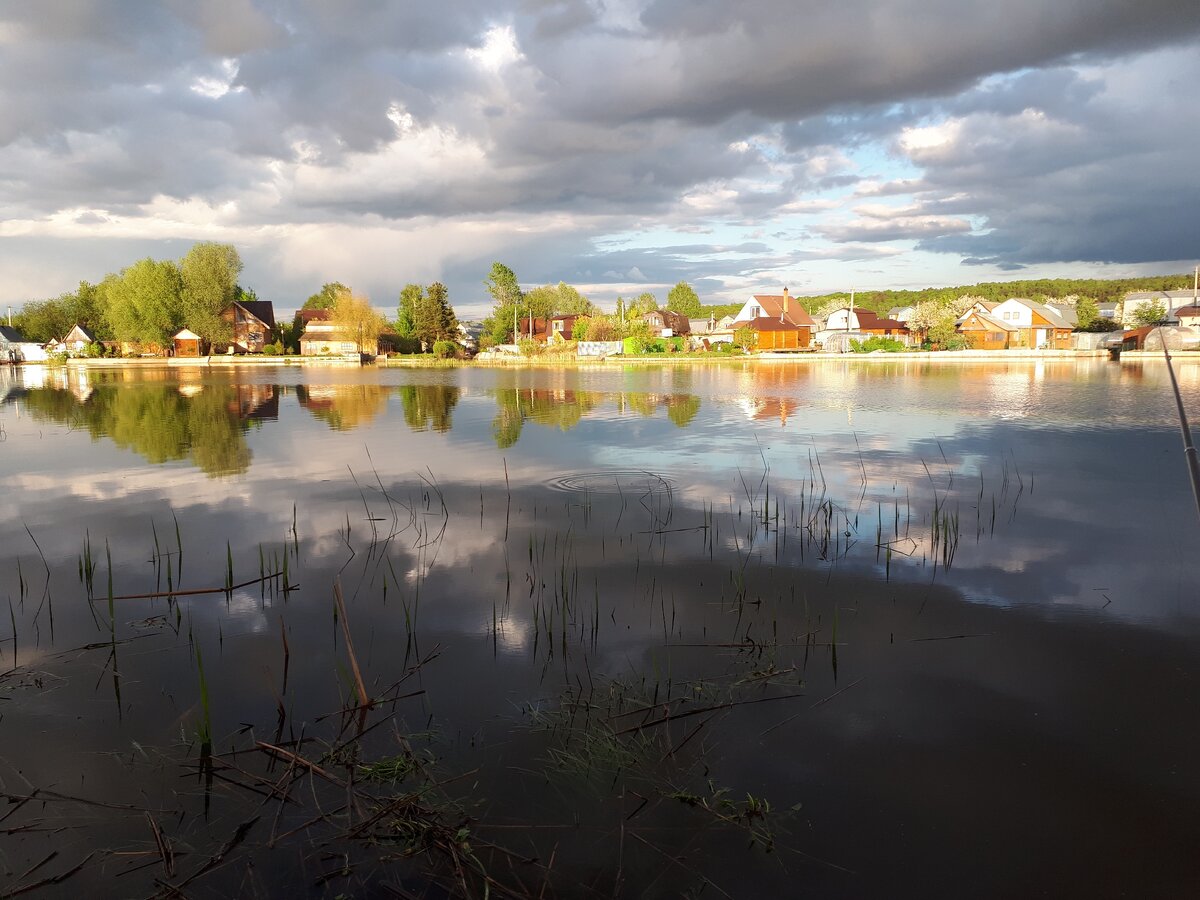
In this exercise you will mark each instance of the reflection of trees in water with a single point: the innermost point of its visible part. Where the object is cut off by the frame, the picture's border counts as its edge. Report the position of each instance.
(563, 409)
(343, 406)
(429, 405)
(157, 422)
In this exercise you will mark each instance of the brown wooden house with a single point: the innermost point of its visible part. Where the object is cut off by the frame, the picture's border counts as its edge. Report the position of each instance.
(985, 332)
(252, 321)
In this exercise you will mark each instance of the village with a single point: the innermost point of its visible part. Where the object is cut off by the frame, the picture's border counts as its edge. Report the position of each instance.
(766, 324)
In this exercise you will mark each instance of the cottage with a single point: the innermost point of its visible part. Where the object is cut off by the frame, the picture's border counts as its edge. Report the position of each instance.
(1038, 325)
(667, 323)
(76, 341)
(778, 321)
(866, 321)
(548, 329)
(983, 331)
(322, 336)
(252, 321)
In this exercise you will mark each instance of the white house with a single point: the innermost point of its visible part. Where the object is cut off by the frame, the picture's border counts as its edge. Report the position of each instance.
(1172, 302)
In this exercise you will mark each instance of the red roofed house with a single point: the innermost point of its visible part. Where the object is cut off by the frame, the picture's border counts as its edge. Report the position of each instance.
(778, 321)
(866, 321)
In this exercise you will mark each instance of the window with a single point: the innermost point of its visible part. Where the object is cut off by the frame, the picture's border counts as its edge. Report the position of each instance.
(558, 325)
(755, 311)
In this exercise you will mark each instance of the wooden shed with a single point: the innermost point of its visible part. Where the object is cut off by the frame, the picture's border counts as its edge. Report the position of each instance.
(187, 343)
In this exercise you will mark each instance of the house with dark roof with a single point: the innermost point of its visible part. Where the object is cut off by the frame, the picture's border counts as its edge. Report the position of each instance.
(252, 321)
(667, 323)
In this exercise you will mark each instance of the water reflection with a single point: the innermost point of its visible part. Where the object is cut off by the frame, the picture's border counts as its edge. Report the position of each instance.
(429, 406)
(344, 407)
(203, 424)
(561, 409)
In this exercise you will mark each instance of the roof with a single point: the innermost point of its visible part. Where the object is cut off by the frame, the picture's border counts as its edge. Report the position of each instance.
(769, 323)
(868, 320)
(1186, 294)
(1067, 311)
(773, 306)
(82, 332)
(11, 335)
(186, 335)
(988, 320)
(1049, 313)
(1187, 311)
(677, 322)
(263, 310)
(309, 315)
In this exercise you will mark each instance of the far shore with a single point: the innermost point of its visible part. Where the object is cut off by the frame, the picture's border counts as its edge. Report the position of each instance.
(769, 359)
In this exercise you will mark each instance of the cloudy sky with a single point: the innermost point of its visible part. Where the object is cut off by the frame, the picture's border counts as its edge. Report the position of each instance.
(620, 145)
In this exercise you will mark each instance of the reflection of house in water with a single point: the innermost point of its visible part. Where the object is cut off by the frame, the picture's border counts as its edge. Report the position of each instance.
(255, 401)
(768, 409)
(343, 406)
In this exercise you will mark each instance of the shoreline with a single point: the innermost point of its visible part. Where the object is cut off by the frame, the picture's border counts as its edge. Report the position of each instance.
(940, 357)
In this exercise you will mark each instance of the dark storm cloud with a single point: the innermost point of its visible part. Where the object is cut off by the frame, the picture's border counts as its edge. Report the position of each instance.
(1104, 178)
(642, 114)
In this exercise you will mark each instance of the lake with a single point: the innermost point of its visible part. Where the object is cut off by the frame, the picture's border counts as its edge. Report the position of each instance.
(839, 628)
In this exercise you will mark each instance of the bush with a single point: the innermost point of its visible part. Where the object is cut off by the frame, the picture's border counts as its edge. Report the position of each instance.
(870, 345)
(445, 349)
(529, 347)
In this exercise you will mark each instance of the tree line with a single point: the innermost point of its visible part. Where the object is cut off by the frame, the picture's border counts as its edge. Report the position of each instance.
(512, 306)
(148, 302)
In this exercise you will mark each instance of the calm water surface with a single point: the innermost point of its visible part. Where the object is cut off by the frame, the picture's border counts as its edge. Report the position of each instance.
(844, 629)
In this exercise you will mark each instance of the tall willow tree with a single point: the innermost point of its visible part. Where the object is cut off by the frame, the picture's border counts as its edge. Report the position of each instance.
(143, 303)
(209, 276)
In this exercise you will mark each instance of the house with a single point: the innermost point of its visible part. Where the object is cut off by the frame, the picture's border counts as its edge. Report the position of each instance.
(866, 321)
(778, 321)
(1038, 325)
(320, 335)
(187, 344)
(323, 337)
(76, 342)
(546, 329)
(1172, 302)
(10, 338)
(983, 331)
(901, 313)
(252, 321)
(14, 348)
(667, 323)
(1108, 310)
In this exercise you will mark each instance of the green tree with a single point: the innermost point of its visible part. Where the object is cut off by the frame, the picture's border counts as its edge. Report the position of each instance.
(1087, 311)
(143, 303)
(410, 297)
(502, 284)
(682, 299)
(209, 274)
(327, 296)
(1153, 313)
(645, 302)
(433, 317)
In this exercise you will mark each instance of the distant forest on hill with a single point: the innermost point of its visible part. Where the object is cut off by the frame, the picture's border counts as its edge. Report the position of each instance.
(1099, 289)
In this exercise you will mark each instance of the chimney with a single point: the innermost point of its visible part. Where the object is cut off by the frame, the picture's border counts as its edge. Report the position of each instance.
(783, 305)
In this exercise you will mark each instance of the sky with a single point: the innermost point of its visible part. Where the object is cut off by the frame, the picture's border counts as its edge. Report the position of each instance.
(618, 145)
